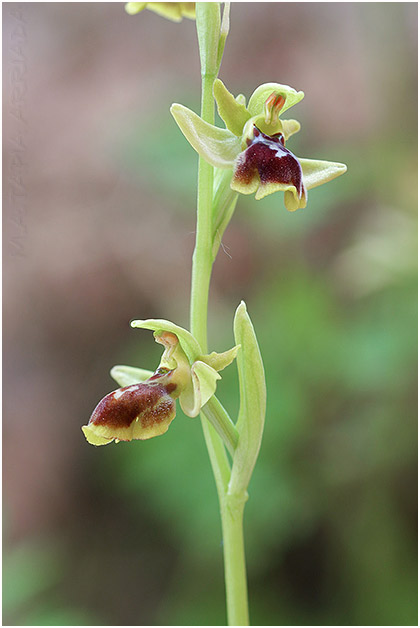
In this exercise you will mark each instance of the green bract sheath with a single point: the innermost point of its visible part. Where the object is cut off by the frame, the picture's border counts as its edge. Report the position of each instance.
(250, 424)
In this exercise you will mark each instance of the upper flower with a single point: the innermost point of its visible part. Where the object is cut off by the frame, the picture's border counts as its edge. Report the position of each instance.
(253, 143)
(174, 11)
(145, 405)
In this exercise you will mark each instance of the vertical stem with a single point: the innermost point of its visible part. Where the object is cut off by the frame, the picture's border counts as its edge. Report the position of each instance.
(202, 258)
(235, 569)
(231, 510)
(200, 283)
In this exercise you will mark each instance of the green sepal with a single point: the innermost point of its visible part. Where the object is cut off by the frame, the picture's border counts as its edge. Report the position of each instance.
(260, 95)
(218, 146)
(173, 11)
(202, 386)
(219, 361)
(233, 113)
(187, 341)
(134, 7)
(316, 172)
(251, 417)
(128, 375)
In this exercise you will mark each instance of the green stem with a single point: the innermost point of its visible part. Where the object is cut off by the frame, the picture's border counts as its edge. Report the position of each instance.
(231, 512)
(234, 558)
(202, 258)
(221, 421)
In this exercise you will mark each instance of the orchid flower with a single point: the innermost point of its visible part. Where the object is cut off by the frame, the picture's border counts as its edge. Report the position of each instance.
(145, 405)
(252, 146)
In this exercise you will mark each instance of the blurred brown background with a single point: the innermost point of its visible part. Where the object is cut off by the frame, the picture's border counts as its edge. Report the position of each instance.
(98, 226)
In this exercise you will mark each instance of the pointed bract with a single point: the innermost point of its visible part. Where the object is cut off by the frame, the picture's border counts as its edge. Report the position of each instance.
(250, 424)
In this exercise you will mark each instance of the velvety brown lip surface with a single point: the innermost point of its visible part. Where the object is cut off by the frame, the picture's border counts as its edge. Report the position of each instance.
(274, 163)
(151, 403)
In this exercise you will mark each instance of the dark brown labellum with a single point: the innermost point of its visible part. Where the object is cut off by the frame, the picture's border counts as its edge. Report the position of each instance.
(267, 158)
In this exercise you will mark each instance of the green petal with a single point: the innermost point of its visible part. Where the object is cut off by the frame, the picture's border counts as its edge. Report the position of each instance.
(316, 172)
(188, 343)
(202, 387)
(218, 146)
(252, 388)
(219, 361)
(127, 375)
(233, 113)
(289, 128)
(258, 98)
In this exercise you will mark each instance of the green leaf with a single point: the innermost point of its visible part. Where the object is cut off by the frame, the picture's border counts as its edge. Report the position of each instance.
(316, 172)
(251, 417)
(187, 341)
(233, 113)
(127, 375)
(260, 95)
(218, 146)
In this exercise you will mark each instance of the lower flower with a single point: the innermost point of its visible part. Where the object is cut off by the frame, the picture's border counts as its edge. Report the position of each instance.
(145, 405)
(136, 412)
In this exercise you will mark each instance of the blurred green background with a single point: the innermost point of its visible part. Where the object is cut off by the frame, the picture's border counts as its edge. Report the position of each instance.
(130, 534)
